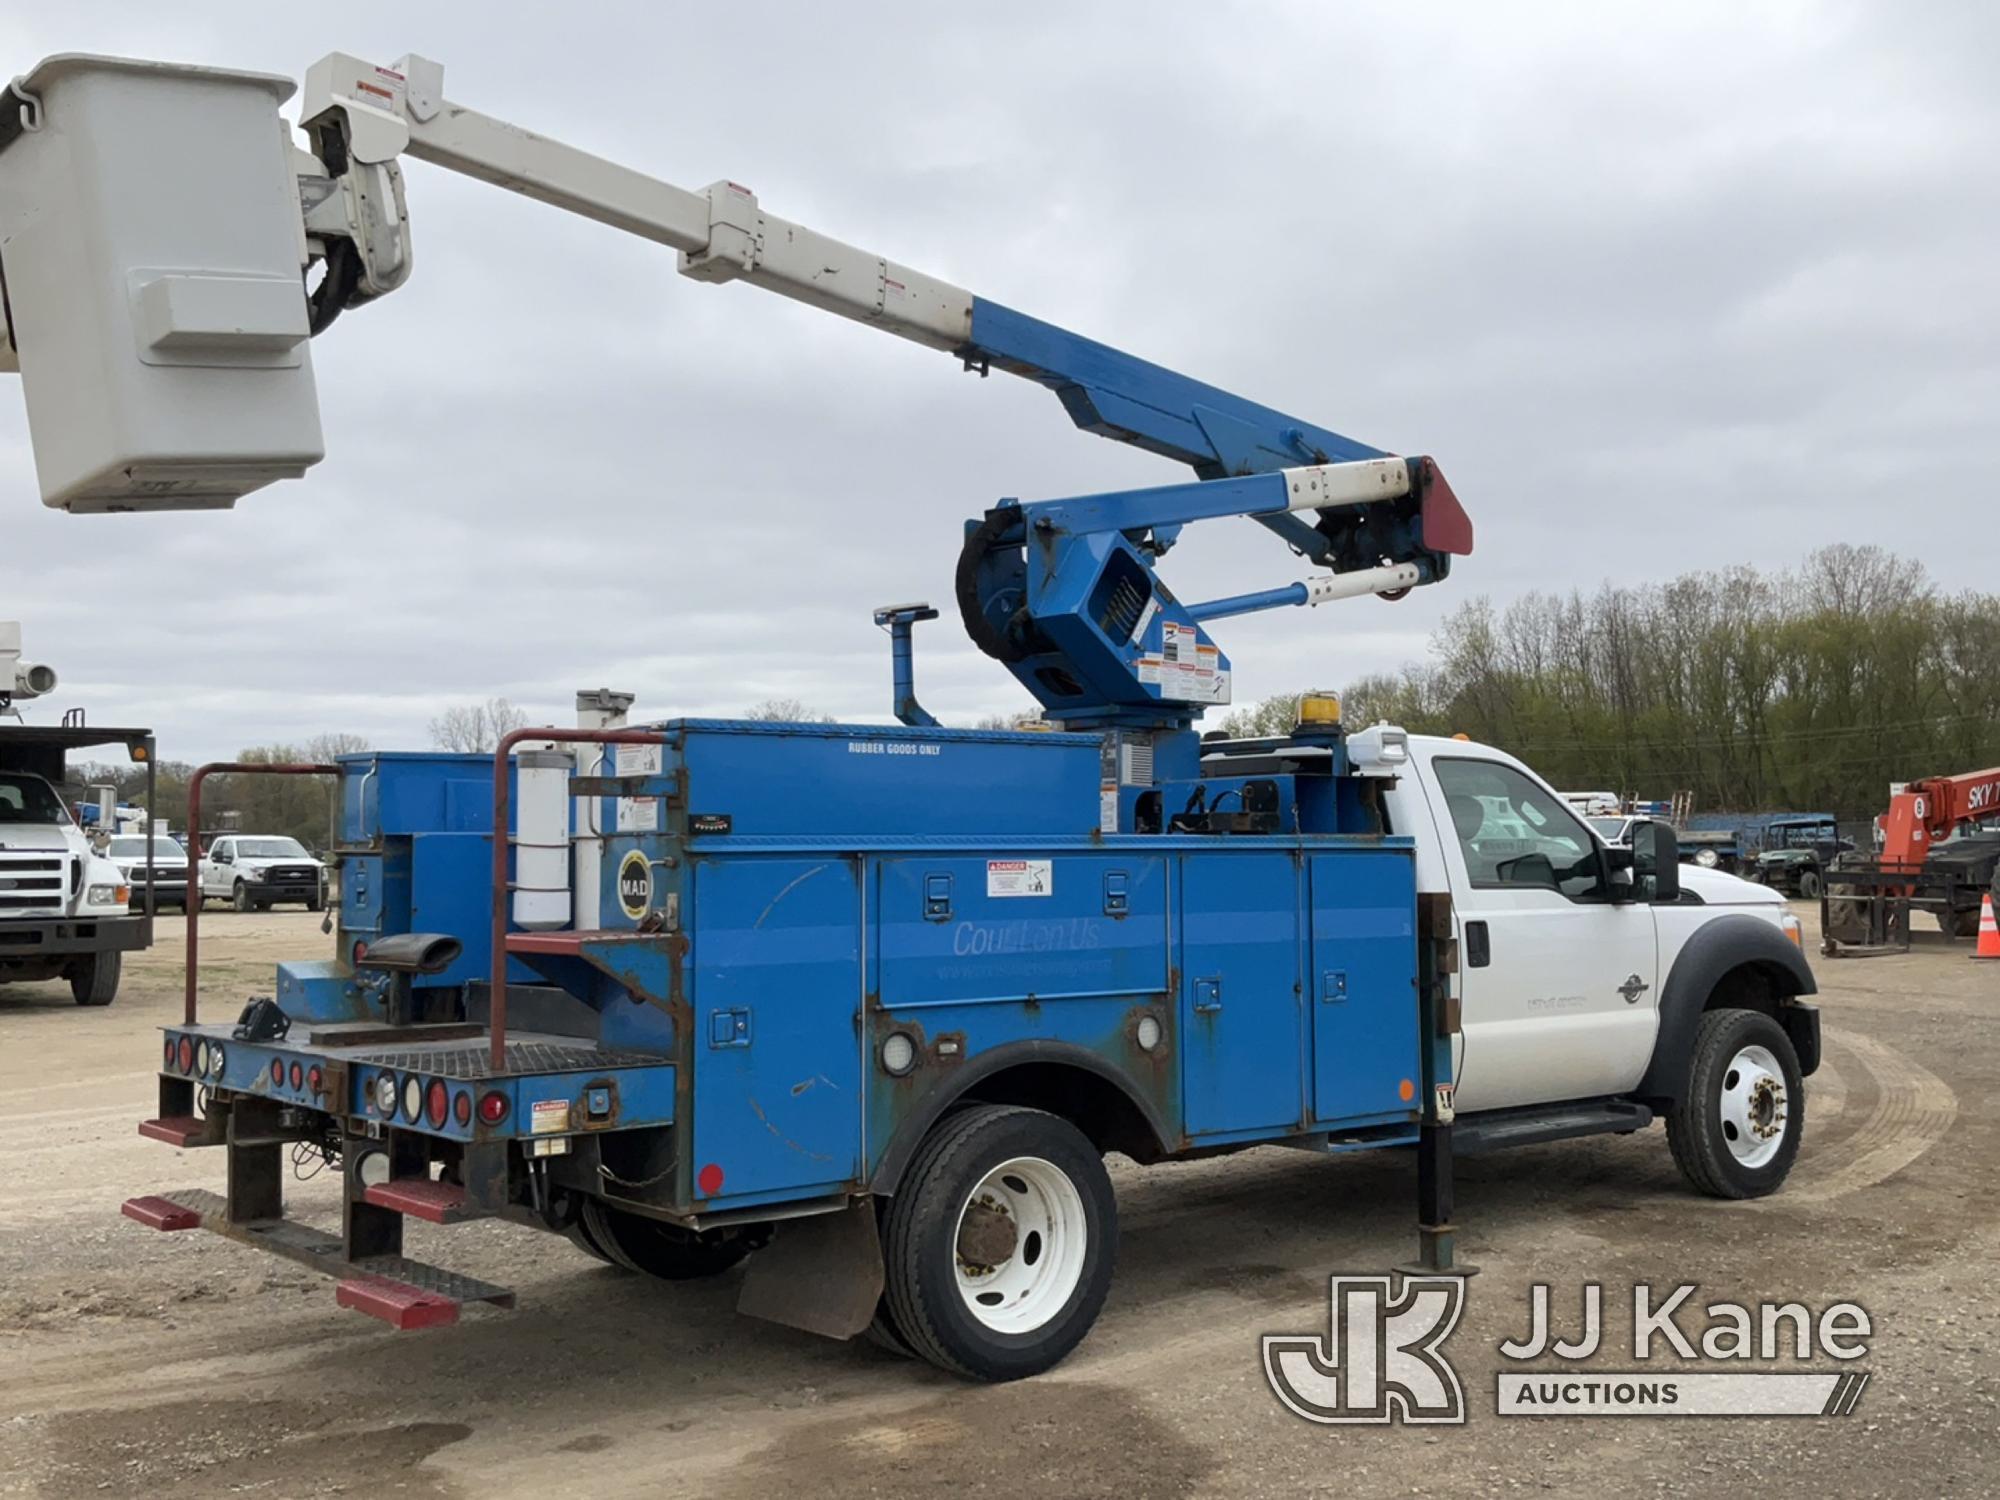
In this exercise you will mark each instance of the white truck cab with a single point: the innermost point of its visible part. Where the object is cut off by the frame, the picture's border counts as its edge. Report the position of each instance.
(62, 903)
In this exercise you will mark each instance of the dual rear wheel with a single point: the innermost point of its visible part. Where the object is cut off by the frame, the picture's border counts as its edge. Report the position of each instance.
(997, 1248)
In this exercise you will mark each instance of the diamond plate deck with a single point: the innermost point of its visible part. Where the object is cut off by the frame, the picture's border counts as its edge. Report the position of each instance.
(473, 1063)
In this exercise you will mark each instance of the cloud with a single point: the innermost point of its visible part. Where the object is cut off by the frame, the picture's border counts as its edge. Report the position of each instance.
(1661, 291)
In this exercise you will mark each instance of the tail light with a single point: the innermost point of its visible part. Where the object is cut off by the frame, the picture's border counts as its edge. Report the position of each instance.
(277, 1071)
(298, 1075)
(461, 1107)
(184, 1054)
(437, 1103)
(170, 1052)
(313, 1078)
(492, 1108)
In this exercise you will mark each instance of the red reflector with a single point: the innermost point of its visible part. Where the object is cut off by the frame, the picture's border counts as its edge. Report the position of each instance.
(709, 1180)
(277, 1070)
(170, 1052)
(437, 1101)
(360, 952)
(298, 1075)
(312, 1078)
(492, 1108)
(461, 1108)
(186, 1054)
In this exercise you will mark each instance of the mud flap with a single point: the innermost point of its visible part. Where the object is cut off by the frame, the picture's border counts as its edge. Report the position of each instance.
(822, 1274)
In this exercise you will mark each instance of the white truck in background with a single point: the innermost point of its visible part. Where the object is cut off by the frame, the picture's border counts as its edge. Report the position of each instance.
(63, 901)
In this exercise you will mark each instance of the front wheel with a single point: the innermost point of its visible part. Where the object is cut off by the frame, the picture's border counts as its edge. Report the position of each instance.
(1737, 1127)
(1810, 885)
(239, 896)
(95, 981)
(998, 1246)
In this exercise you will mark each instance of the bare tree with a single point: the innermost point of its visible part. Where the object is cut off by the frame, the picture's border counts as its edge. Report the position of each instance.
(785, 711)
(476, 728)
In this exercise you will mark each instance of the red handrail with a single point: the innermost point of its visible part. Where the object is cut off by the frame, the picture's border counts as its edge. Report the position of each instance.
(194, 900)
(497, 983)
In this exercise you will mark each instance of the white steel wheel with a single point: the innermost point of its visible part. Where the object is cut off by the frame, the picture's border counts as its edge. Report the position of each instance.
(1753, 1106)
(1735, 1130)
(998, 1244)
(1019, 1245)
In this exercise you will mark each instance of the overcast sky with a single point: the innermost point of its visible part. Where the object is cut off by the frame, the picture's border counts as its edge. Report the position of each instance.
(1660, 287)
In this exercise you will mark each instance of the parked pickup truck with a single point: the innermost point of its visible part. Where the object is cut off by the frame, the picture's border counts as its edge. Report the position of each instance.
(878, 1039)
(169, 868)
(254, 872)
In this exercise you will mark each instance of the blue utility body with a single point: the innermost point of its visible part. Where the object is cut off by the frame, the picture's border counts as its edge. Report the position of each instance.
(831, 886)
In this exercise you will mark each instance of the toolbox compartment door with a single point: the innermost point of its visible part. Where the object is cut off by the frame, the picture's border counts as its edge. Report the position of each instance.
(776, 959)
(1241, 1040)
(1361, 984)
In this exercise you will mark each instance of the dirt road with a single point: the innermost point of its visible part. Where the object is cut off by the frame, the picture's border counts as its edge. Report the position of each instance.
(133, 1362)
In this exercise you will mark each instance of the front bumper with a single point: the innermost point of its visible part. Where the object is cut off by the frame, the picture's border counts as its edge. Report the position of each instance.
(36, 937)
(285, 890)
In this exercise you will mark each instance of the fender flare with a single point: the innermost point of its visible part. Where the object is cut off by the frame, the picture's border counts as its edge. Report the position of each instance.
(888, 1172)
(1727, 942)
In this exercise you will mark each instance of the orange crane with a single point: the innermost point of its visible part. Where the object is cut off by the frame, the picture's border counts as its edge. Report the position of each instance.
(1940, 852)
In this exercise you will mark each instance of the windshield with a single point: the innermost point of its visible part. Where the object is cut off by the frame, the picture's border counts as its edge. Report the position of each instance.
(1611, 830)
(128, 847)
(28, 799)
(270, 849)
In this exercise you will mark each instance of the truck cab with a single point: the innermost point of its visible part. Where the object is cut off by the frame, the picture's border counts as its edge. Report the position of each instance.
(1582, 975)
(63, 905)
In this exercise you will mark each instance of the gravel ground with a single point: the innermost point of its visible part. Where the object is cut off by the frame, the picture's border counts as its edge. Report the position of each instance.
(183, 1365)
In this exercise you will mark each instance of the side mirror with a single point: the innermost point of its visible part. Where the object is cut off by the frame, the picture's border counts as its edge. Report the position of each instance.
(1656, 862)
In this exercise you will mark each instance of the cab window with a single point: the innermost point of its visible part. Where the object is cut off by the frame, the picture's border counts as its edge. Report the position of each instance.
(1515, 833)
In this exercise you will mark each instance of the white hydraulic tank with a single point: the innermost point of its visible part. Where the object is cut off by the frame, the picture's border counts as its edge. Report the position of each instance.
(541, 840)
(152, 252)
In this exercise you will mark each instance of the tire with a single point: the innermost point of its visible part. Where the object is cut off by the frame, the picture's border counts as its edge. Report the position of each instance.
(96, 981)
(1050, 1232)
(316, 904)
(1960, 924)
(661, 1250)
(579, 1235)
(1810, 885)
(239, 896)
(1737, 1128)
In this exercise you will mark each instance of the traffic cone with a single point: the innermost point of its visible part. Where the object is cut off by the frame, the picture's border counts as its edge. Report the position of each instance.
(1989, 930)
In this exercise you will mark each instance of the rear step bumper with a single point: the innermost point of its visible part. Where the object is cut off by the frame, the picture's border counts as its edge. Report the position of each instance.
(403, 1293)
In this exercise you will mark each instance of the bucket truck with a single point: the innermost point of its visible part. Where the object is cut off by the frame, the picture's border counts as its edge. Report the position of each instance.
(1940, 852)
(865, 1004)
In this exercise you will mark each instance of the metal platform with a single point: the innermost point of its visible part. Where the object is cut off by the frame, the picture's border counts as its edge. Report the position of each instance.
(469, 1063)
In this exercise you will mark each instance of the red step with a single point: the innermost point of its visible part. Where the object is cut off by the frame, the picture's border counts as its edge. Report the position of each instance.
(419, 1198)
(175, 1130)
(396, 1303)
(160, 1213)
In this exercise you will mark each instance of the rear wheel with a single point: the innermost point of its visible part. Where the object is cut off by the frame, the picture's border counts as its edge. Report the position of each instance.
(95, 980)
(662, 1250)
(1960, 924)
(1736, 1130)
(998, 1247)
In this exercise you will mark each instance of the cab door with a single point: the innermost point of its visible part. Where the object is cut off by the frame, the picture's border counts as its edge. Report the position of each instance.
(1559, 983)
(214, 867)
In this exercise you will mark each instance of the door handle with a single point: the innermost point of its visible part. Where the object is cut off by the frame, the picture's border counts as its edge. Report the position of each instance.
(1478, 946)
(1207, 995)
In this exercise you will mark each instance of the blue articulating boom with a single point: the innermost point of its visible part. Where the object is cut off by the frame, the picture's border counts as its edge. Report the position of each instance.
(870, 1001)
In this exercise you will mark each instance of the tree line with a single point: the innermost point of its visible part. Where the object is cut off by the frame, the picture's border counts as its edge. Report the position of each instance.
(1809, 689)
